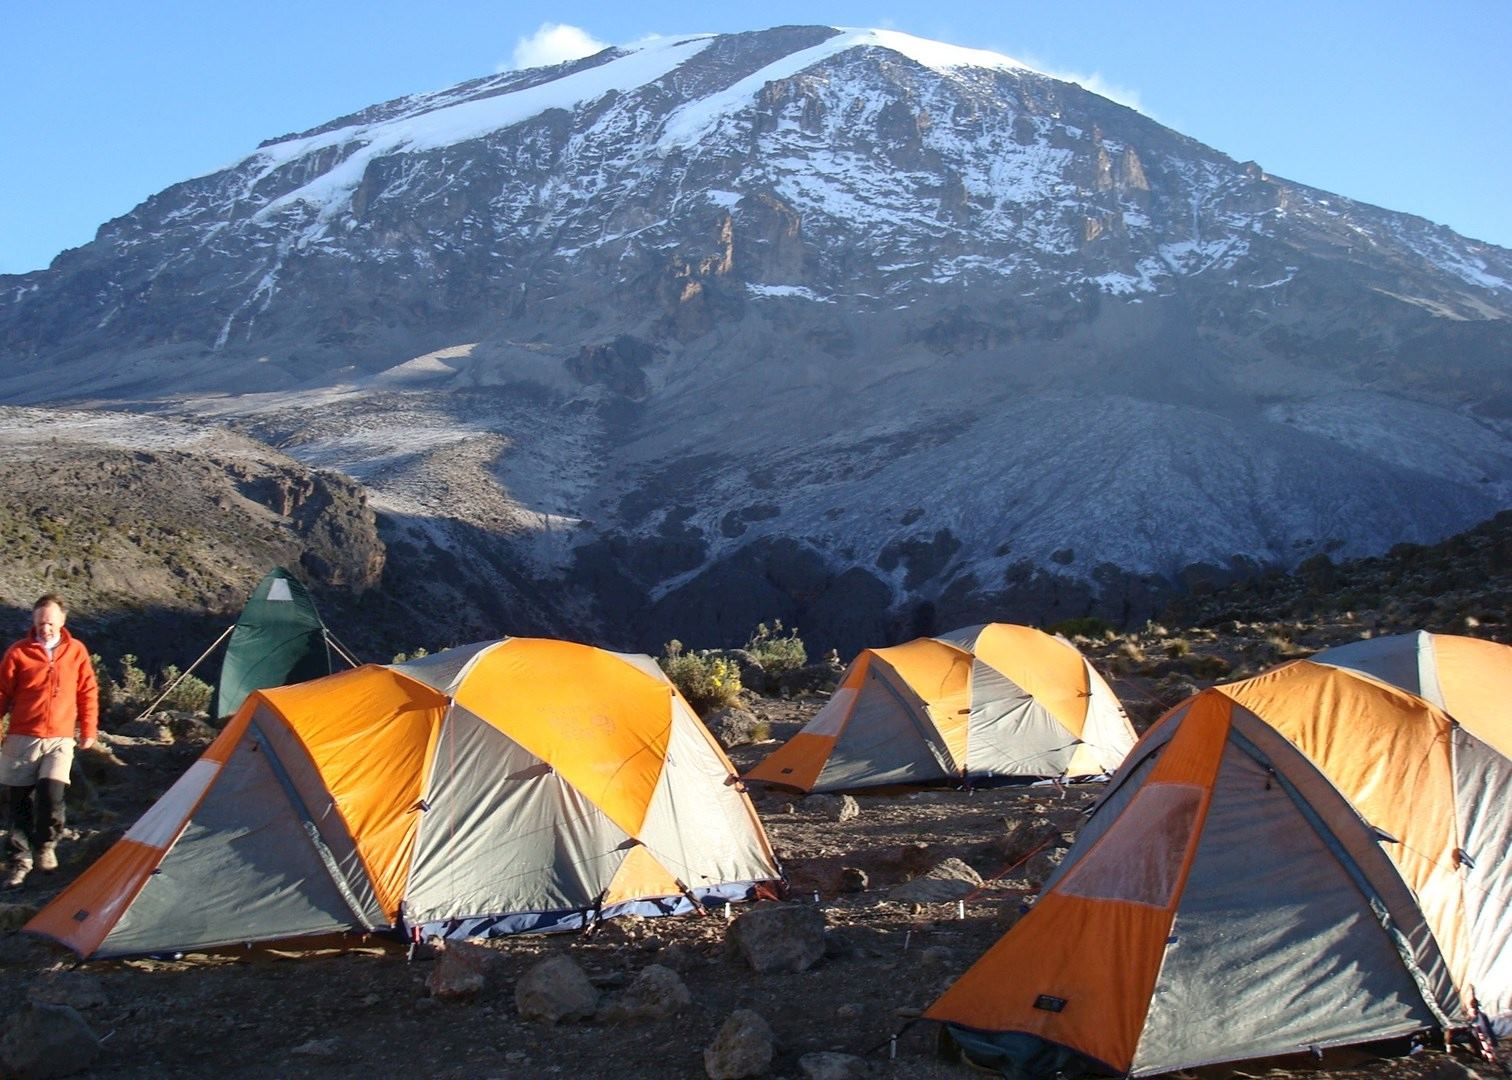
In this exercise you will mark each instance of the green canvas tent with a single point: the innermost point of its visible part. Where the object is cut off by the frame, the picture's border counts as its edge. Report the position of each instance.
(279, 639)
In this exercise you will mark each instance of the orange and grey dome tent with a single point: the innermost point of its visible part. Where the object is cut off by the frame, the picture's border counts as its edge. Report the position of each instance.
(1469, 678)
(1305, 859)
(517, 785)
(987, 702)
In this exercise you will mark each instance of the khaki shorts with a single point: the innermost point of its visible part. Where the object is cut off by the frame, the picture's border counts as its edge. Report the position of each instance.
(25, 759)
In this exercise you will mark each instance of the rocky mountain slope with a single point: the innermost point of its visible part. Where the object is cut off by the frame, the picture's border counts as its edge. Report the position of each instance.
(154, 530)
(872, 334)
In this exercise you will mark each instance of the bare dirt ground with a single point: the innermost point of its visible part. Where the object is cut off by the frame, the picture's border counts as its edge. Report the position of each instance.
(364, 1010)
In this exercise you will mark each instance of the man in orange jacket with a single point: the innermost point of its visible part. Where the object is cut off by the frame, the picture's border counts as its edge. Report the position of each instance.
(47, 684)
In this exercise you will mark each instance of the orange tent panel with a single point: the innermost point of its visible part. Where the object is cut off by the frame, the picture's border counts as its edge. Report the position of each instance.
(1048, 669)
(550, 697)
(1475, 679)
(796, 763)
(940, 674)
(372, 735)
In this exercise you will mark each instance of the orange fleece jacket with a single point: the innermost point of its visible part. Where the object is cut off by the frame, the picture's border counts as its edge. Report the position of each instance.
(51, 699)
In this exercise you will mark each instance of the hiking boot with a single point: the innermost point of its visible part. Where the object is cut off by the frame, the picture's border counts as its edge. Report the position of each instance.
(47, 858)
(15, 874)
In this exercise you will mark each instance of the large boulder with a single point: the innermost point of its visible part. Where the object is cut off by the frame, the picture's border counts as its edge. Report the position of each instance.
(811, 678)
(779, 937)
(948, 880)
(742, 1048)
(79, 990)
(47, 1040)
(733, 726)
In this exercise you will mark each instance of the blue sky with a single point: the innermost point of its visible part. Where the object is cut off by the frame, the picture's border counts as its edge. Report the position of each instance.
(1395, 103)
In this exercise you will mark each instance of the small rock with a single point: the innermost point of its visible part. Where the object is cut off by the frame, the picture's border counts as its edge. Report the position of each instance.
(787, 808)
(742, 1048)
(146, 729)
(322, 1048)
(827, 1065)
(47, 1040)
(556, 989)
(838, 945)
(1025, 835)
(462, 971)
(853, 879)
(516, 1057)
(936, 956)
(652, 944)
(656, 993)
(850, 1012)
(190, 727)
(820, 804)
(779, 937)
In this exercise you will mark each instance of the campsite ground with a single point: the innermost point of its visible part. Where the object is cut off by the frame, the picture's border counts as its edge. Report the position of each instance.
(365, 1010)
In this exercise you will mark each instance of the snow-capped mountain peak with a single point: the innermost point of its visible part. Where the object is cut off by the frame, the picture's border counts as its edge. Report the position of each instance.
(841, 326)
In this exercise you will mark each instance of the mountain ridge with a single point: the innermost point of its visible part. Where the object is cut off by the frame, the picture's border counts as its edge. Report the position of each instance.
(799, 326)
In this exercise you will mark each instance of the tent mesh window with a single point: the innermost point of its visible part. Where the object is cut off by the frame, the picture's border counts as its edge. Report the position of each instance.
(1139, 859)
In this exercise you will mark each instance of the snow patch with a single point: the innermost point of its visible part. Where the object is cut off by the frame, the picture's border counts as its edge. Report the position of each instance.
(694, 121)
(460, 122)
(430, 367)
(798, 291)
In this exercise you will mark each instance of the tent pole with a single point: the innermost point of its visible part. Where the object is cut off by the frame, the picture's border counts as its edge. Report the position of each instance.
(186, 673)
(345, 655)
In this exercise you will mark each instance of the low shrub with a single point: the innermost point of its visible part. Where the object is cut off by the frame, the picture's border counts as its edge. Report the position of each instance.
(1206, 668)
(124, 698)
(707, 682)
(133, 690)
(192, 694)
(1087, 626)
(775, 651)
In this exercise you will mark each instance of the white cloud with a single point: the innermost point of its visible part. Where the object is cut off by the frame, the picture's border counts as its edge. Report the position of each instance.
(554, 43)
(1093, 82)
(1098, 85)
